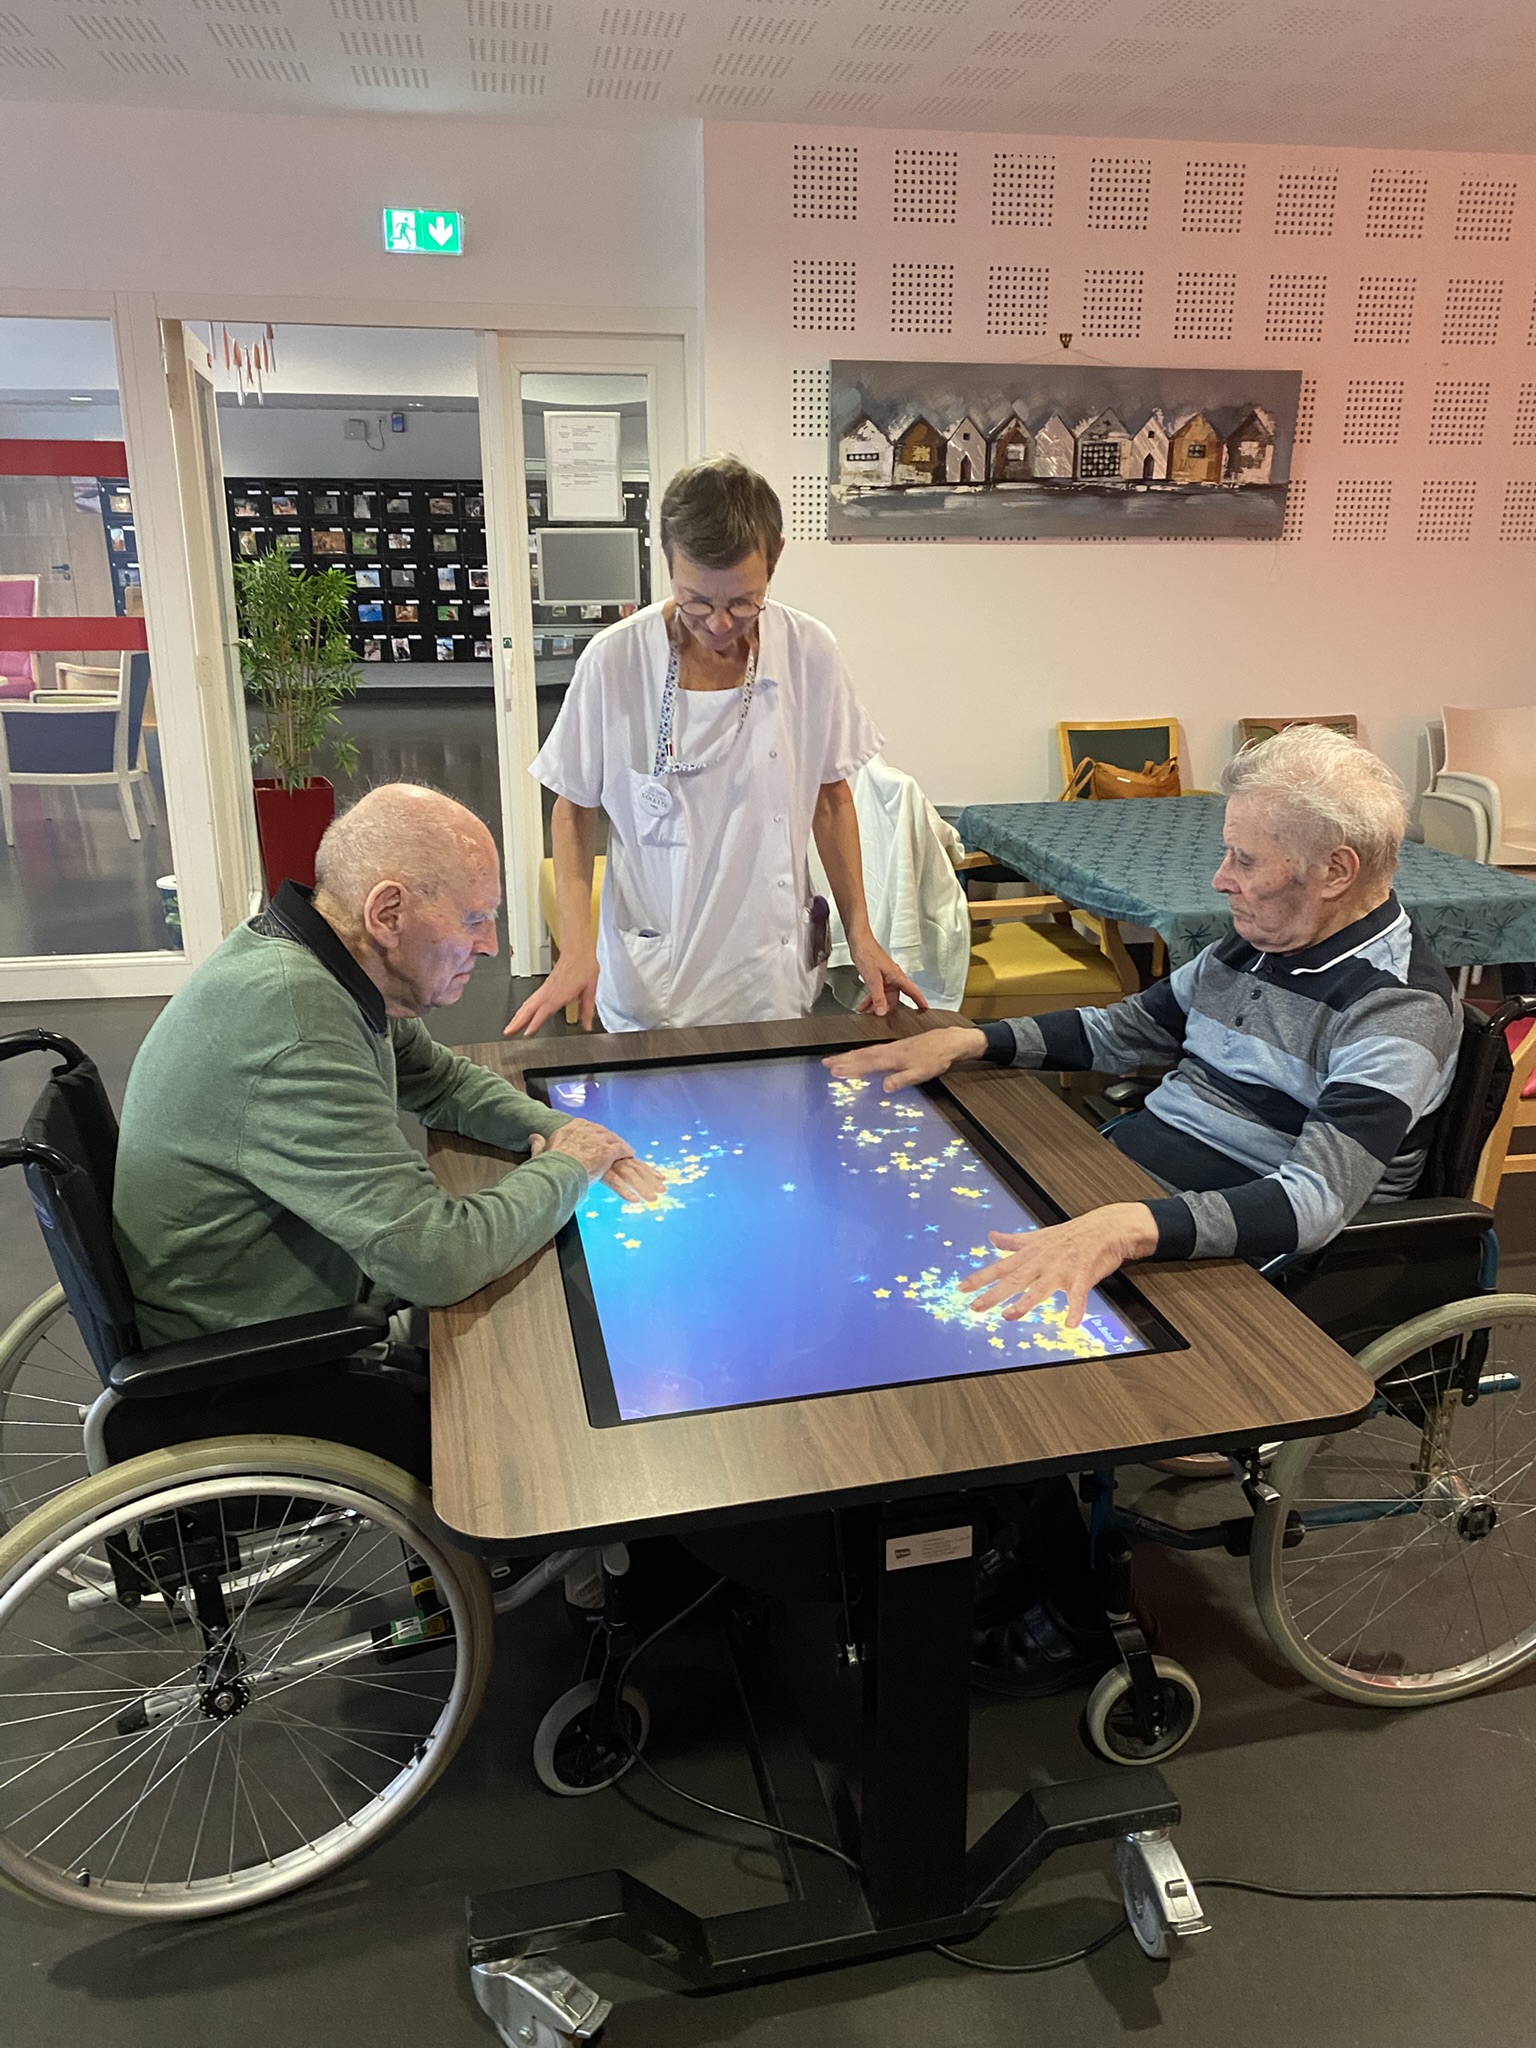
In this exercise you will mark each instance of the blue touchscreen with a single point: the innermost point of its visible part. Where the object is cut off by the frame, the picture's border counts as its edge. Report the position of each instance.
(811, 1240)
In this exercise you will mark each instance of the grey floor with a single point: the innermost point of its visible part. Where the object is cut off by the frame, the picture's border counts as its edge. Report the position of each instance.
(1278, 1784)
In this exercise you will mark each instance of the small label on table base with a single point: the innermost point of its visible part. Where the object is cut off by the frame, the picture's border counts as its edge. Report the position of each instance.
(933, 1546)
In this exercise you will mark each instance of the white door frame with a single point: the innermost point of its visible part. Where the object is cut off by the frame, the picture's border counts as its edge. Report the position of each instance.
(189, 851)
(662, 359)
(660, 342)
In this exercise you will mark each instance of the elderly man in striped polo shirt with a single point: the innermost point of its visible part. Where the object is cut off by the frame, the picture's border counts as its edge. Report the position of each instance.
(1305, 1056)
(1305, 1053)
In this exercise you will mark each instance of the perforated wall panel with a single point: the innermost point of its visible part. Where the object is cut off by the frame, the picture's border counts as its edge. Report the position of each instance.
(1023, 190)
(1445, 509)
(1112, 301)
(1120, 192)
(1204, 305)
(809, 391)
(1517, 518)
(922, 298)
(1297, 307)
(1018, 298)
(1362, 508)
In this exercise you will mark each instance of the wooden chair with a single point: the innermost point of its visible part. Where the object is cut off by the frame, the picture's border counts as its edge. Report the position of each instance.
(1518, 1114)
(550, 911)
(1027, 957)
(1120, 742)
(1251, 729)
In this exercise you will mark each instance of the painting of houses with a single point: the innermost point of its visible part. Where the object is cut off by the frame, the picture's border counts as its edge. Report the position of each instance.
(1196, 453)
(1103, 449)
(1009, 460)
(864, 454)
(965, 459)
(918, 455)
(1149, 450)
(1250, 454)
(1057, 450)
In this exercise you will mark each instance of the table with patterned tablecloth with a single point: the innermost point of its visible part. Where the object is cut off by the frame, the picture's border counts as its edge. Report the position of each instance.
(1149, 860)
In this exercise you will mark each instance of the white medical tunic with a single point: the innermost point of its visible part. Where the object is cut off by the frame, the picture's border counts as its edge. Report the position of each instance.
(706, 907)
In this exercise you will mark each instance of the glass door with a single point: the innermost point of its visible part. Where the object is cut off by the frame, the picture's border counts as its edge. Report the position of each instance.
(85, 850)
(582, 434)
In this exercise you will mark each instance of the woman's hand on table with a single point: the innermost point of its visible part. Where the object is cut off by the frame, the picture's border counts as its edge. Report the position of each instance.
(572, 979)
(1064, 1258)
(605, 1156)
(908, 1062)
(884, 982)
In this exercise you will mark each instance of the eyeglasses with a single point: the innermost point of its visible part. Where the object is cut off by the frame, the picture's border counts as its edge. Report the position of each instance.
(741, 611)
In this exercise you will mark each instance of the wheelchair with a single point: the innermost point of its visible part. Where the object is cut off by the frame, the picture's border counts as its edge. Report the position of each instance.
(1389, 1562)
(238, 1646)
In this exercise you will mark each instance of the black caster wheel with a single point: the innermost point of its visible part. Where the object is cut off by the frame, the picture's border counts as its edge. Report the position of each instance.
(567, 1758)
(1109, 1722)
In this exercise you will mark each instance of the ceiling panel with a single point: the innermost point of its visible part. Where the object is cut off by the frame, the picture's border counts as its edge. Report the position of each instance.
(1365, 74)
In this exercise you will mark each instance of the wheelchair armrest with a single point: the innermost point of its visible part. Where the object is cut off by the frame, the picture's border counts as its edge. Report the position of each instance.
(1131, 1091)
(262, 1349)
(1394, 1224)
(1432, 1222)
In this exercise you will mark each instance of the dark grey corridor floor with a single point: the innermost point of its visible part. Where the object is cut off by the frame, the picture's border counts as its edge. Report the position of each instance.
(1277, 1784)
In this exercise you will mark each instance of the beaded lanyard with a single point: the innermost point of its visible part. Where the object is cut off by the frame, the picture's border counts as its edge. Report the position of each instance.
(666, 763)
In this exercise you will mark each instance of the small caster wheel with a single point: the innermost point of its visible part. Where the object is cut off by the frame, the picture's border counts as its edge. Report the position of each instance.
(1160, 1902)
(567, 1758)
(1109, 1720)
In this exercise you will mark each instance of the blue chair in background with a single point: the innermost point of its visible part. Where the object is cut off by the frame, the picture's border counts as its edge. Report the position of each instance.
(74, 740)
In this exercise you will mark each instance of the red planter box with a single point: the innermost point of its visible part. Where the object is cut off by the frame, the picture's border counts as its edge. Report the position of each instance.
(290, 824)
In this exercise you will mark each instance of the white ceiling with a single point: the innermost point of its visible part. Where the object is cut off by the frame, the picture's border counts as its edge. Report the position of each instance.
(1408, 74)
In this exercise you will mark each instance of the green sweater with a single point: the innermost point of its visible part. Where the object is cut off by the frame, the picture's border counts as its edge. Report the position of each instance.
(262, 1171)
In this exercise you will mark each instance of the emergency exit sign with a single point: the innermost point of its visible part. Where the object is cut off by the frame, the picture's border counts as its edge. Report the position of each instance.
(423, 231)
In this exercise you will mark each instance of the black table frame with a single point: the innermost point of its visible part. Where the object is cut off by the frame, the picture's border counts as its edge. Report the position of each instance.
(918, 1882)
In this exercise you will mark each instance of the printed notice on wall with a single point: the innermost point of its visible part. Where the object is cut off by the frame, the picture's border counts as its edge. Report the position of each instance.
(581, 455)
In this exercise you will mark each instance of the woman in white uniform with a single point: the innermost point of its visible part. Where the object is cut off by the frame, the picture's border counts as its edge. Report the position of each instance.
(718, 732)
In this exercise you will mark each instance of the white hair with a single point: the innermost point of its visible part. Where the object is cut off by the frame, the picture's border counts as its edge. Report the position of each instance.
(400, 832)
(1330, 792)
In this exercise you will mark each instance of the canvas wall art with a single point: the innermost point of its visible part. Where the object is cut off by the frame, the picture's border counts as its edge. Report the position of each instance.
(1041, 451)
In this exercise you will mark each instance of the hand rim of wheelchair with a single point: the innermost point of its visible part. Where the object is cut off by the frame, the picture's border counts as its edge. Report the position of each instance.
(179, 1477)
(1274, 1567)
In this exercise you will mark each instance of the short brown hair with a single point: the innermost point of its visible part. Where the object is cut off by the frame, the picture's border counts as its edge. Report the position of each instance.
(716, 512)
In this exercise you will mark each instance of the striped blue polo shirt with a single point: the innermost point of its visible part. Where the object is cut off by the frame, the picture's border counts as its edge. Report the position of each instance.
(1299, 1086)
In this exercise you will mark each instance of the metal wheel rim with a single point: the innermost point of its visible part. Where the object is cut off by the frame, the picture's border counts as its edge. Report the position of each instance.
(353, 1832)
(1278, 1574)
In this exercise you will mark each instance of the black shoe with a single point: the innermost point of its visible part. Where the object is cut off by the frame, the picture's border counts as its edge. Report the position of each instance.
(1038, 1653)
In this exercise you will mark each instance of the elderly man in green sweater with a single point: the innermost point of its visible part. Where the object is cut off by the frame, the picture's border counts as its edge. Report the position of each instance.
(262, 1171)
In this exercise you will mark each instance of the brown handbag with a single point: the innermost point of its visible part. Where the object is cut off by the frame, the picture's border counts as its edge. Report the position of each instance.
(1097, 780)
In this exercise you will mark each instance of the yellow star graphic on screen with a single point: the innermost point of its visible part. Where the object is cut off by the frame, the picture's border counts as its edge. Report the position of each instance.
(882, 1293)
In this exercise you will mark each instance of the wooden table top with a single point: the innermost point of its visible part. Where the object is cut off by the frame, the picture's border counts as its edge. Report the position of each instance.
(515, 1459)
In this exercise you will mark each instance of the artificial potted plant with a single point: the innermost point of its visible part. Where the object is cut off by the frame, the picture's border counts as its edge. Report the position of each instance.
(298, 664)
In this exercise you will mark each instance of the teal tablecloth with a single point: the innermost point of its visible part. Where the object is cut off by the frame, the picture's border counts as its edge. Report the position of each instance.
(1149, 860)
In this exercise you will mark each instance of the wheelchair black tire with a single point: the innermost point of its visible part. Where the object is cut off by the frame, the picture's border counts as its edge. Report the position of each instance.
(1446, 1514)
(33, 1557)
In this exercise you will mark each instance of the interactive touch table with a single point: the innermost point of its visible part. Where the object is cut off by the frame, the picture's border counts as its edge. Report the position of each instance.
(784, 1335)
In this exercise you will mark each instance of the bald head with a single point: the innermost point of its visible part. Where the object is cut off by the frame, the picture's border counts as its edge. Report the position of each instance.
(401, 832)
(408, 880)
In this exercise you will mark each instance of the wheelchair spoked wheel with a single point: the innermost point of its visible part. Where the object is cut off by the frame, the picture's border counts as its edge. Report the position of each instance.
(47, 1382)
(217, 1739)
(1409, 1576)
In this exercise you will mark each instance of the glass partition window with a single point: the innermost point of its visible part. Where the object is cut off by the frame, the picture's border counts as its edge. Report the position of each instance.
(86, 865)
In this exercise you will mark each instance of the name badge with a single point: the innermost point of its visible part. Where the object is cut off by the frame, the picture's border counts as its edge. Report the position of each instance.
(654, 797)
